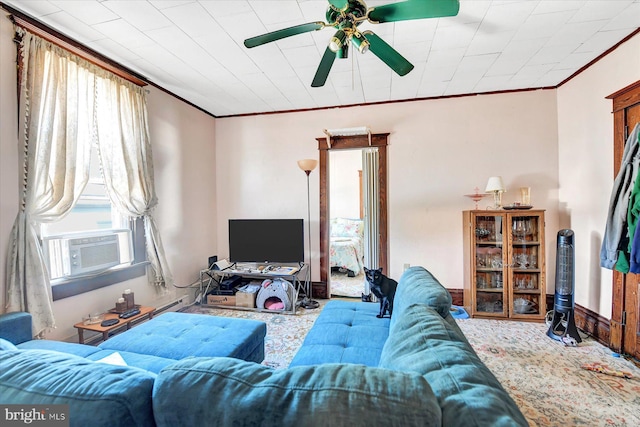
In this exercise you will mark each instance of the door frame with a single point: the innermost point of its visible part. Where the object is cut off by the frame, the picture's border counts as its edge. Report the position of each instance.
(325, 144)
(625, 287)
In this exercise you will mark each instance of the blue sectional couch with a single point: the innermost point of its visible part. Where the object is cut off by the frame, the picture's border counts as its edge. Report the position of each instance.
(416, 369)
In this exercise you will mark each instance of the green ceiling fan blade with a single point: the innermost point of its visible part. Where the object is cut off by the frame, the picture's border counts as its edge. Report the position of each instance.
(323, 69)
(339, 4)
(387, 54)
(413, 9)
(281, 34)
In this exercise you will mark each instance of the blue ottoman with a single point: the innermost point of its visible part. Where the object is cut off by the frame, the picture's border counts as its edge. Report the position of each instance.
(345, 332)
(180, 335)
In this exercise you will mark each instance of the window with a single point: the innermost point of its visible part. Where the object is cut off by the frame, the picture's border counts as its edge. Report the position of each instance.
(93, 245)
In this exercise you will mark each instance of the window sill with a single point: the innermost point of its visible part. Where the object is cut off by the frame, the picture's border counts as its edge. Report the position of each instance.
(64, 288)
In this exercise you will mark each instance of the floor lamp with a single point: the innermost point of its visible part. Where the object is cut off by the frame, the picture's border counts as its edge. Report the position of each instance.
(308, 165)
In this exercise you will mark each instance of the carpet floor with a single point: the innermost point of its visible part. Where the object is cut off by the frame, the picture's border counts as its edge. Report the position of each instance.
(544, 377)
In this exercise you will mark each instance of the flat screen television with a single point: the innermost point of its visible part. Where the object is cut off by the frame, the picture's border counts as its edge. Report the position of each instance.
(266, 240)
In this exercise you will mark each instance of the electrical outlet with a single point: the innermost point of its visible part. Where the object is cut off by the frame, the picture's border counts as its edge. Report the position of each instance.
(406, 266)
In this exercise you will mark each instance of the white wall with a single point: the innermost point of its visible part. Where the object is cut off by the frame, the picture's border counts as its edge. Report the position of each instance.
(439, 150)
(184, 157)
(585, 151)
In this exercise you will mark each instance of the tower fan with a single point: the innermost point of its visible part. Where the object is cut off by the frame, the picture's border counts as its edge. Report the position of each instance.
(563, 326)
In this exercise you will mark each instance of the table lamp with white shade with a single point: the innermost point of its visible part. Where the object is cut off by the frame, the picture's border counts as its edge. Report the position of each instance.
(496, 186)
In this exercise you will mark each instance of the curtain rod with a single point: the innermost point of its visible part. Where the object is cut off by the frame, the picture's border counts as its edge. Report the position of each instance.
(74, 47)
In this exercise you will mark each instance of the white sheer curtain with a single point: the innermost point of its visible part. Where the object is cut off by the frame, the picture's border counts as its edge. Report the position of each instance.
(127, 162)
(56, 126)
(66, 104)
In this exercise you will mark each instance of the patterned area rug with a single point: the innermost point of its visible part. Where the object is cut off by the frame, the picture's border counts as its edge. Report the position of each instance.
(543, 376)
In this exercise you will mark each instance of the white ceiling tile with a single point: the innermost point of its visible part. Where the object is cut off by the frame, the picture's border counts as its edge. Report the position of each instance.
(552, 54)
(597, 10)
(601, 41)
(226, 8)
(74, 28)
(542, 25)
(195, 21)
(167, 4)
(140, 14)
(90, 11)
(549, 7)
(627, 19)
(194, 48)
(489, 42)
(454, 37)
(446, 57)
(115, 50)
(574, 61)
(576, 32)
(532, 72)
(277, 12)
(124, 33)
(37, 8)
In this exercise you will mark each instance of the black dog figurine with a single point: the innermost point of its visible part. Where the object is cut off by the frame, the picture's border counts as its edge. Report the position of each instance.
(383, 288)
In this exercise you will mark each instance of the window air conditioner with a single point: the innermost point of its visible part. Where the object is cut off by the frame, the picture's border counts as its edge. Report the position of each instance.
(80, 254)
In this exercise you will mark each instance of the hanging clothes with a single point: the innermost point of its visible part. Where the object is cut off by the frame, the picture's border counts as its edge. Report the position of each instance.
(634, 219)
(616, 235)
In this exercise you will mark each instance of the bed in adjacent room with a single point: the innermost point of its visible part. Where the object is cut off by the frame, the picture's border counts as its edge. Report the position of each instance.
(346, 246)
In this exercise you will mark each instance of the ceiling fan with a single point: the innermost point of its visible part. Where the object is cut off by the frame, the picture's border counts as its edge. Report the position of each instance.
(347, 15)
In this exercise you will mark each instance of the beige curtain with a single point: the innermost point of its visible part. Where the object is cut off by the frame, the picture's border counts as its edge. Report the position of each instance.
(66, 104)
(56, 126)
(127, 162)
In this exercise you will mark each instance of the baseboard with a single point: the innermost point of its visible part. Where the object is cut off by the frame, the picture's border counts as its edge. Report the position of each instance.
(586, 320)
(457, 297)
(593, 324)
(319, 290)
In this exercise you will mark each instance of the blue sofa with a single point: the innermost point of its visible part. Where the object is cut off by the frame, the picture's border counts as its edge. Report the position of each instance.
(416, 369)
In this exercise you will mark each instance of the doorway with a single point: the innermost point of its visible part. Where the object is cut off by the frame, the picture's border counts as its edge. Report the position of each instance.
(322, 290)
(346, 223)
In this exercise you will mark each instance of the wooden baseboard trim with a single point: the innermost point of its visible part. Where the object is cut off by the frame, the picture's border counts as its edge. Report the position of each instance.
(457, 296)
(593, 324)
(319, 290)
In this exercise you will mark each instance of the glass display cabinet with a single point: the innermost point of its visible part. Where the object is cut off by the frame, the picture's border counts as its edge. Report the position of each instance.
(504, 264)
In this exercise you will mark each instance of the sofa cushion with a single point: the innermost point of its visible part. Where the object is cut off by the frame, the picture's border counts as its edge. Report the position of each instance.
(345, 332)
(15, 327)
(469, 394)
(98, 394)
(143, 361)
(179, 335)
(417, 285)
(248, 394)
(6, 345)
(81, 350)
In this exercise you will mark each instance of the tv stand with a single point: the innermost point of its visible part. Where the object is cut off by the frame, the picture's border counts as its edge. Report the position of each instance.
(296, 273)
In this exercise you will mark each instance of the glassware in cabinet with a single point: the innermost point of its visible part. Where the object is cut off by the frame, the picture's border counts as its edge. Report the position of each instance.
(526, 261)
(504, 264)
(487, 294)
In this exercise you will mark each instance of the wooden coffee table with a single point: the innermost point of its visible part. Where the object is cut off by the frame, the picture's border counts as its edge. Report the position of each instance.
(106, 330)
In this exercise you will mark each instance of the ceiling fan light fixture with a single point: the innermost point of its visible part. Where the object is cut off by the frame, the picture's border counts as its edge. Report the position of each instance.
(360, 42)
(337, 41)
